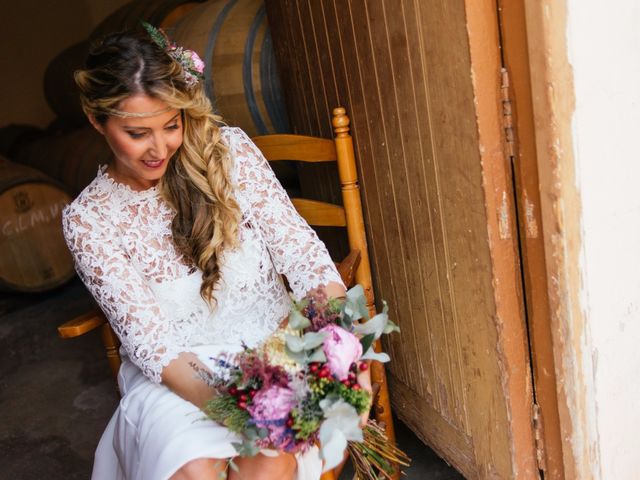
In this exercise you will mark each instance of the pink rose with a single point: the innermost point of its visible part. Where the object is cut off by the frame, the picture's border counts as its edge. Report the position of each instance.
(341, 348)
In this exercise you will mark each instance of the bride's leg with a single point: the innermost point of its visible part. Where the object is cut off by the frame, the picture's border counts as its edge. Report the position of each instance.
(201, 469)
(261, 467)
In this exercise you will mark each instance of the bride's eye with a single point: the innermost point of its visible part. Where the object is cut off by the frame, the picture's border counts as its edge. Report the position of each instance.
(135, 134)
(173, 127)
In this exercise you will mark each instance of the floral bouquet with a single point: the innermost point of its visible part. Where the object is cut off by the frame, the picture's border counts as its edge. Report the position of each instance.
(300, 388)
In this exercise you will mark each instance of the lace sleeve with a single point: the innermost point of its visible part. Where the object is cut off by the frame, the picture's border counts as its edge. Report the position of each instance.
(296, 250)
(122, 294)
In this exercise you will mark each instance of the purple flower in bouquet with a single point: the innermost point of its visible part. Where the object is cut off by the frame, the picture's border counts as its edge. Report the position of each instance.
(270, 409)
(341, 348)
(319, 311)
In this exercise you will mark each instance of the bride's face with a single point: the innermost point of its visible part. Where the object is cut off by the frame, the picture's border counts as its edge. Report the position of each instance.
(143, 146)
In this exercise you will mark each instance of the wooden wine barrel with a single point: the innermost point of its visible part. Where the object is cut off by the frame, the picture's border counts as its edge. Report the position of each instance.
(41, 155)
(163, 13)
(14, 136)
(33, 254)
(59, 87)
(233, 39)
(71, 158)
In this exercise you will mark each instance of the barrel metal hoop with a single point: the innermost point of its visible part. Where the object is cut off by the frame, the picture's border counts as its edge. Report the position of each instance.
(14, 182)
(271, 86)
(211, 45)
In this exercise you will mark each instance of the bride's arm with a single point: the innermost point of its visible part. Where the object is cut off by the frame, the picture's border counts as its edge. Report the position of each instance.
(179, 377)
(151, 340)
(296, 250)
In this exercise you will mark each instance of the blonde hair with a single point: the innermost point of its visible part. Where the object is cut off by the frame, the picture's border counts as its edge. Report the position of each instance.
(197, 183)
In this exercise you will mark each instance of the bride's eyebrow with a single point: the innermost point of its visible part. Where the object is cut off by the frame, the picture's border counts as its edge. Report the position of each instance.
(131, 127)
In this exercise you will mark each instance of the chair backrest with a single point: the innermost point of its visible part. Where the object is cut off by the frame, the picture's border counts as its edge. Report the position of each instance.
(313, 150)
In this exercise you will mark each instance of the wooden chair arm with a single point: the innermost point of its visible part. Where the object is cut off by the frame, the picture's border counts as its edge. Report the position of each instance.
(82, 324)
(347, 267)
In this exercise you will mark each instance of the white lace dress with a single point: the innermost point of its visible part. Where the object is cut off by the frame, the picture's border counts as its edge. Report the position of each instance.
(122, 245)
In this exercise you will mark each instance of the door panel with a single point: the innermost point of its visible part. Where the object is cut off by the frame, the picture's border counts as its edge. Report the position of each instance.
(420, 81)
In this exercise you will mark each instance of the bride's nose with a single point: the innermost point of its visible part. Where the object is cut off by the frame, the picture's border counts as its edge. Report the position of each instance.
(158, 147)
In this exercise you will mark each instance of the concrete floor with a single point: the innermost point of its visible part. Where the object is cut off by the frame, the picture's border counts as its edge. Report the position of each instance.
(56, 396)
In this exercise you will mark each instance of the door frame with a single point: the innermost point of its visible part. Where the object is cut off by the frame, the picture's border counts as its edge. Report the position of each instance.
(553, 102)
(533, 199)
(515, 53)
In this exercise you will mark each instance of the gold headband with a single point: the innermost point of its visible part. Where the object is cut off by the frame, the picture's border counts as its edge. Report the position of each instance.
(123, 114)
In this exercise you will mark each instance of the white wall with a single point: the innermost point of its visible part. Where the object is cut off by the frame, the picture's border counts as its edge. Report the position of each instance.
(604, 51)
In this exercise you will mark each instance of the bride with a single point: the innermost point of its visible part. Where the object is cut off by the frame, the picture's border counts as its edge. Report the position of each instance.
(182, 240)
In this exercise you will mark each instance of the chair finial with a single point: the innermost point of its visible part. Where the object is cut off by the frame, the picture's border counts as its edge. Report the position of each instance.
(340, 122)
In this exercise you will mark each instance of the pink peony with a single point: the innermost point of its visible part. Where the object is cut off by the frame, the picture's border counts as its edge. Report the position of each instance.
(341, 348)
(270, 409)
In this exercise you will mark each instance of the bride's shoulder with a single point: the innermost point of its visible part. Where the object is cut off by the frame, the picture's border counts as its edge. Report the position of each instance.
(234, 138)
(90, 206)
(242, 151)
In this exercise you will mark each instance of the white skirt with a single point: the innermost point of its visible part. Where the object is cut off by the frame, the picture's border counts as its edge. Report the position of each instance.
(154, 432)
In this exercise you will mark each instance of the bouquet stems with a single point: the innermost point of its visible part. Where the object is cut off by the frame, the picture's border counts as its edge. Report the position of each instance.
(375, 458)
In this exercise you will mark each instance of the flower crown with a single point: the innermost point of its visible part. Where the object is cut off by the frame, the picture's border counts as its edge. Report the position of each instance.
(192, 64)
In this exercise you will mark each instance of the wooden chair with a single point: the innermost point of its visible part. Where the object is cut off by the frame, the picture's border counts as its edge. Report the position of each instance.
(355, 268)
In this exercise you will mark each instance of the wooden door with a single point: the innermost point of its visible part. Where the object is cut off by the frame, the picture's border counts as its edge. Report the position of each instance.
(421, 81)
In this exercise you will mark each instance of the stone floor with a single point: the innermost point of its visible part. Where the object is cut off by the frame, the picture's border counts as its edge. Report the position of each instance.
(57, 395)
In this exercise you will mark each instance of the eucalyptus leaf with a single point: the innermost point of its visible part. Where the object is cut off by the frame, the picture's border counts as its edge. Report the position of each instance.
(297, 321)
(351, 311)
(376, 325)
(355, 292)
(345, 322)
(246, 448)
(249, 449)
(385, 306)
(317, 356)
(312, 340)
(391, 327)
(353, 304)
(357, 298)
(373, 355)
(294, 343)
(299, 357)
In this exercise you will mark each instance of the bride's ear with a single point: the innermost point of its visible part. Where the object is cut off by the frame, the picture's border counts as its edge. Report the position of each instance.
(94, 122)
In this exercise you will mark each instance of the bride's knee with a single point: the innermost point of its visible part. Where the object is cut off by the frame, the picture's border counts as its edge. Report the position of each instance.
(201, 469)
(261, 467)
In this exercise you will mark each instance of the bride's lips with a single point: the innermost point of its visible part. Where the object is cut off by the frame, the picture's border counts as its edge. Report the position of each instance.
(153, 163)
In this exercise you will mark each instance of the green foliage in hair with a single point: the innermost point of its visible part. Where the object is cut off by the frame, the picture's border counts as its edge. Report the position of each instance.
(156, 35)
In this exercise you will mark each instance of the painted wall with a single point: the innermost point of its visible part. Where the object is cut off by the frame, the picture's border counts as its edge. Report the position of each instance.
(33, 32)
(604, 51)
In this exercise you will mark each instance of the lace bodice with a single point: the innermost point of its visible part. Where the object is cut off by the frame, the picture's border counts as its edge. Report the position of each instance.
(122, 245)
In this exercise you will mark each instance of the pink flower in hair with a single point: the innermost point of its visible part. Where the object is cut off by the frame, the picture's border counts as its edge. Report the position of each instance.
(197, 62)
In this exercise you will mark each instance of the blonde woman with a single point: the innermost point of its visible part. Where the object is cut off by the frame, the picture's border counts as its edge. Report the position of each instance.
(182, 240)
